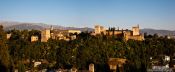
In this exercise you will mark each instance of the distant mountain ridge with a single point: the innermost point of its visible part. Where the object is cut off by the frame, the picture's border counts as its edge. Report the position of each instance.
(36, 26)
(29, 26)
(159, 32)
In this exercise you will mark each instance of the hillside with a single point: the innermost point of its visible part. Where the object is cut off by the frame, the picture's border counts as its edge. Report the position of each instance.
(37, 26)
(159, 32)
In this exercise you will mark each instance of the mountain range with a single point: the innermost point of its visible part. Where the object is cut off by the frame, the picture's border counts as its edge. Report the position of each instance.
(36, 26)
(40, 26)
(159, 32)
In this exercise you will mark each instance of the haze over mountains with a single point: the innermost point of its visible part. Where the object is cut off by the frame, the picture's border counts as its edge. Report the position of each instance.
(21, 26)
(40, 26)
(159, 32)
(36, 26)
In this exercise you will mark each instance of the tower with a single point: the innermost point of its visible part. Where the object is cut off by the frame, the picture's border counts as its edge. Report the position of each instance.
(45, 35)
(136, 30)
(97, 29)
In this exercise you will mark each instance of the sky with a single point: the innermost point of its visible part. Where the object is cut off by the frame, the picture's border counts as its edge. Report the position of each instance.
(157, 14)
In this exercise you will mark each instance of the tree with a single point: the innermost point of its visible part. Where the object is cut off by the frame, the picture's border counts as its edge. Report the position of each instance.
(4, 53)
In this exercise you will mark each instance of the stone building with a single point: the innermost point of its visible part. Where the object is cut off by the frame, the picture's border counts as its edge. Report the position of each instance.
(8, 36)
(65, 34)
(45, 35)
(91, 67)
(73, 31)
(99, 29)
(116, 64)
(136, 30)
(133, 34)
(34, 38)
(114, 32)
(58, 34)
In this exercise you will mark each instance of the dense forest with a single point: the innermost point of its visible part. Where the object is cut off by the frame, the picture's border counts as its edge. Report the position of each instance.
(19, 52)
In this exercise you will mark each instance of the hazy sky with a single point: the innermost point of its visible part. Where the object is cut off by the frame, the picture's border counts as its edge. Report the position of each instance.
(157, 14)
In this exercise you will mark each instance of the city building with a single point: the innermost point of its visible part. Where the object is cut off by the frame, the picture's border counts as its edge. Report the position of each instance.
(45, 35)
(99, 29)
(8, 36)
(115, 63)
(160, 63)
(73, 31)
(136, 30)
(91, 67)
(171, 36)
(133, 34)
(64, 34)
(59, 34)
(34, 38)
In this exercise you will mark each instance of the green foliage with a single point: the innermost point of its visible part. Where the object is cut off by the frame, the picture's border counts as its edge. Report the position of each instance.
(4, 53)
(21, 67)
